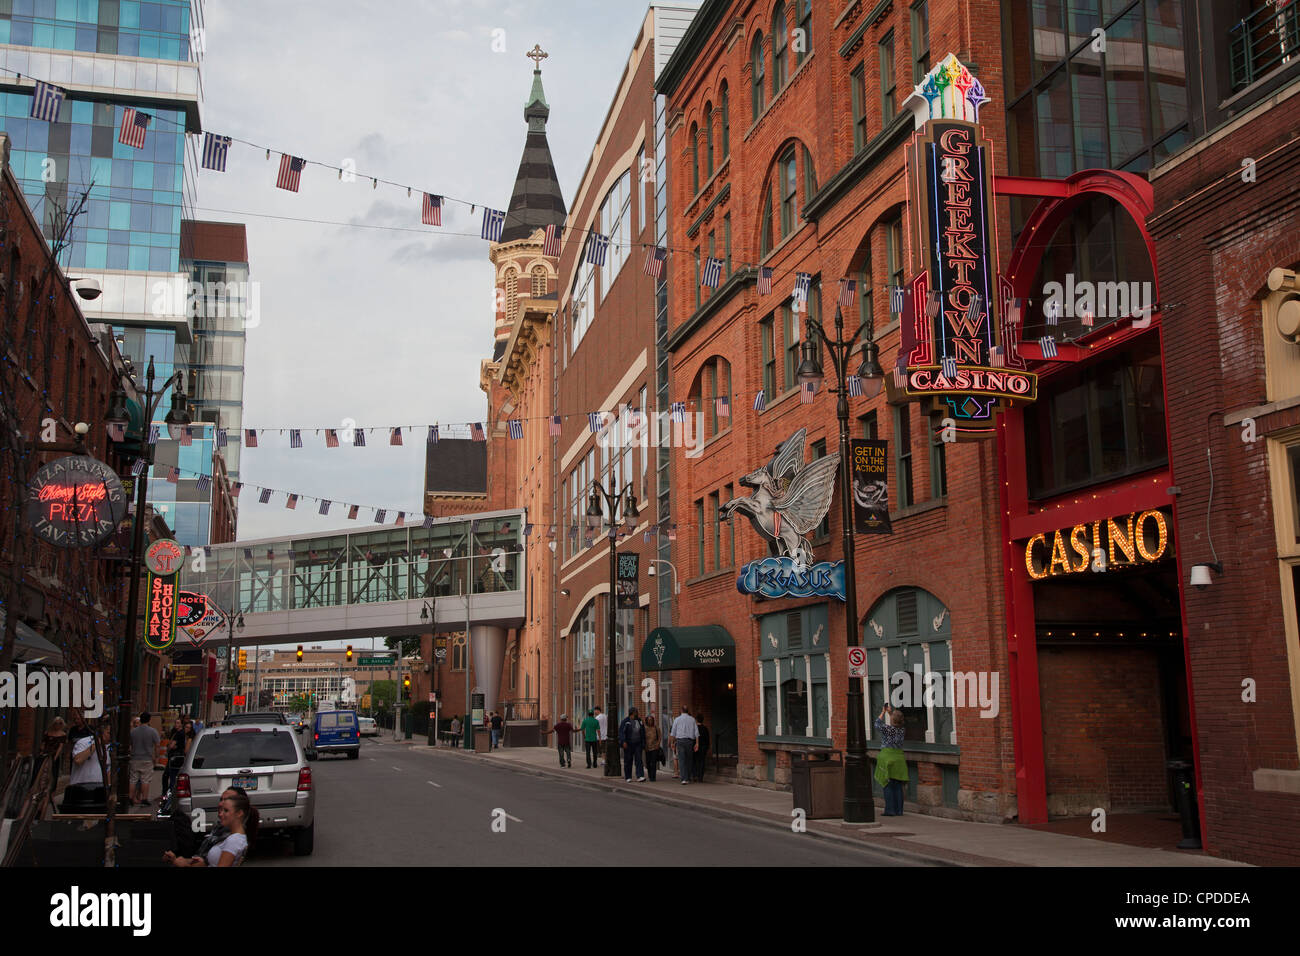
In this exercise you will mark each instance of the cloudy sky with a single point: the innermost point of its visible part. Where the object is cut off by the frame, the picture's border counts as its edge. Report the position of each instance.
(365, 313)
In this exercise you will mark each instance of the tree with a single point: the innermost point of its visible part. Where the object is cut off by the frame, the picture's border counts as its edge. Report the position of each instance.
(299, 704)
(382, 694)
(408, 646)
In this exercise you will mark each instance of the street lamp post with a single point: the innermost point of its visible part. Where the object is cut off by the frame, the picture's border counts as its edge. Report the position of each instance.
(233, 623)
(859, 805)
(177, 418)
(613, 501)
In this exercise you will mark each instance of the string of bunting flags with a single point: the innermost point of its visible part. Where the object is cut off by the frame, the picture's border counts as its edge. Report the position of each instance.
(48, 99)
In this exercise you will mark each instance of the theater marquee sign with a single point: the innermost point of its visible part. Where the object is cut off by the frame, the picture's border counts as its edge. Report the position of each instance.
(959, 345)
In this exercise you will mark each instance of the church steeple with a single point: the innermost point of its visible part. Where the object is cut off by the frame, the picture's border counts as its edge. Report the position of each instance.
(537, 201)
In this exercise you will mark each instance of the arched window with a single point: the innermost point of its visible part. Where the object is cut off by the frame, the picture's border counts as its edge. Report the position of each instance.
(512, 294)
(804, 16)
(765, 230)
(787, 180)
(809, 176)
(539, 280)
(726, 123)
(695, 158)
(909, 629)
(758, 68)
(865, 288)
(458, 652)
(712, 387)
(780, 50)
(708, 140)
(514, 667)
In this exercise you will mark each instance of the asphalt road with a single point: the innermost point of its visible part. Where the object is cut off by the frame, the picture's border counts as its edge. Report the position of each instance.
(395, 807)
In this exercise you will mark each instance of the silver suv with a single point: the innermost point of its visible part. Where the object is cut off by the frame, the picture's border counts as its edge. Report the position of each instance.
(268, 762)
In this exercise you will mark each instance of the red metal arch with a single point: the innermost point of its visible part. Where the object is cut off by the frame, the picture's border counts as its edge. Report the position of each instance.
(1131, 192)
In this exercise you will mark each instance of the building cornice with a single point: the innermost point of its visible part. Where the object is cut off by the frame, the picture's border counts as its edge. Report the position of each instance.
(852, 172)
(690, 46)
(728, 290)
(531, 333)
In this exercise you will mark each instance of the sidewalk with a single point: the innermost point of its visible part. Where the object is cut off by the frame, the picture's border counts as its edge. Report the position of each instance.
(915, 835)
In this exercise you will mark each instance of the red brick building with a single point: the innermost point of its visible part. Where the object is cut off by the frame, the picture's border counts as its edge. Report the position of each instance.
(1224, 226)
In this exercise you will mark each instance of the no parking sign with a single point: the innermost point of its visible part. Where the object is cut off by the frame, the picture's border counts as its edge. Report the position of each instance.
(857, 662)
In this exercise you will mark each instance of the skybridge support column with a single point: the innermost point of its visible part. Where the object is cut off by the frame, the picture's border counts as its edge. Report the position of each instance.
(488, 644)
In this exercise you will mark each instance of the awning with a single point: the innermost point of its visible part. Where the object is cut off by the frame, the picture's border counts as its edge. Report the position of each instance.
(682, 648)
(30, 646)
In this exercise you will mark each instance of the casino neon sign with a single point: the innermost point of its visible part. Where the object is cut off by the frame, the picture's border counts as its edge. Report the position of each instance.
(1123, 541)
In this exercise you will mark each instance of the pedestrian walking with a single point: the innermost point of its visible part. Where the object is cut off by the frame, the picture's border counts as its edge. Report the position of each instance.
(684, 736)
(497, 723)
(702, 753)
(144, 743)
(86, 792)
(455, 731)
(563, 731)
(631, 738)
(653, 747)
(891, 767)
(590, 739)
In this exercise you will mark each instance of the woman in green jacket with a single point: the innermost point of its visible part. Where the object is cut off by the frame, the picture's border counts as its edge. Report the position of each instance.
(891, 767)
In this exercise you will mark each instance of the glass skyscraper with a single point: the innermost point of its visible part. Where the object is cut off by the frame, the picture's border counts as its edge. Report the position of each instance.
(109, 55)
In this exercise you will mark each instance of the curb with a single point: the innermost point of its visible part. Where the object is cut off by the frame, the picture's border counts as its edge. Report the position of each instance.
(726, 811)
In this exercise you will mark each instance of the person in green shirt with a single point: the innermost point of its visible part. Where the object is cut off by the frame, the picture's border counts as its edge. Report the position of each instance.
(591, 736)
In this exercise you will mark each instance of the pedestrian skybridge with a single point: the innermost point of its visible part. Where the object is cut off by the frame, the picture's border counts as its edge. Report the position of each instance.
(372, 581)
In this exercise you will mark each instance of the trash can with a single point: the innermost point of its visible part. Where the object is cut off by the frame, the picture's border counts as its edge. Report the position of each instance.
(482, 740)
(1185, 795)
(818, 781)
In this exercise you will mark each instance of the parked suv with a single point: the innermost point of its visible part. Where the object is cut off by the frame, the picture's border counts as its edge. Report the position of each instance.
(268, 762)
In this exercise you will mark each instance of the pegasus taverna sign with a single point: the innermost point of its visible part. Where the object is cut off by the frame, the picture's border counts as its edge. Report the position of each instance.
(789, 500)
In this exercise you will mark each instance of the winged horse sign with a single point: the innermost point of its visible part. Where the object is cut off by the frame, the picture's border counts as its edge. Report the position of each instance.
(789, 500)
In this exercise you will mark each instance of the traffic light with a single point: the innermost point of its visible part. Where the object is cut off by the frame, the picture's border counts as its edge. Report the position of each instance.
(349, 653)
(299, 653)
(243, 659)
(406, 683)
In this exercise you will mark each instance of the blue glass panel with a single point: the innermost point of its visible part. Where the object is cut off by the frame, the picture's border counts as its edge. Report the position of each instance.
(97, 216)
(171, 19)
(169, 48)
(82, 112)
(101, 170)
(24, 8)
(121, 173)
(129, 14)
(119, 215)
(45, 8)
(150, 16)
(80, 142)
(21, 33)
(88, 11)
(117, 257)
(138, 260)
(42, 35)
(87, 40)
(143, 175)
(176, 220)
(4, 31)
(97, 235)
(139, 217)
(96, 255)
(128, 44)
(149, 47)
(162, 259)
(66, 10)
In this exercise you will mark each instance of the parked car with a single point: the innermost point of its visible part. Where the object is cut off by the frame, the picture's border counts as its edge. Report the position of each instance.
(268, 762)
(369, 728)
(335, 731)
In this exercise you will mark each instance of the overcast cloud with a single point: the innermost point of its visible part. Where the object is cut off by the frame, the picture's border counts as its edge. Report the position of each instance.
(385, 326)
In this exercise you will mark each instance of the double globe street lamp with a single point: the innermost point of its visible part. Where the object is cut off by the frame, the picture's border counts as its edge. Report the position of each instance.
(177, 419)
(614, 502)
(859, 805)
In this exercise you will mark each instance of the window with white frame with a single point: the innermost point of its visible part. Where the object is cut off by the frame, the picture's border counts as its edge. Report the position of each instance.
(794, 672)
(908, 639)
(583, 303)
(616, 223)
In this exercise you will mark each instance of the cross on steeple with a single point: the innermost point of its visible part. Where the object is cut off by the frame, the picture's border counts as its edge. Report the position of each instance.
(537, 55)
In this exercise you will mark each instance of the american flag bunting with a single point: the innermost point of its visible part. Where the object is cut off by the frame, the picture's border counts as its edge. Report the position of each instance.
(134, 124)
(331, 438)
(806, 393)
(654, 261)
(431, 210)
(764, 280)
(46, 100)
(352, 512)
(1085, 318)
(401, 518)
(116, 431)
(291, 502)
(848, 293)
(1052, 310)
(187, 436)
(250, 437)
(236, 488)
(551, 244)
(476, 431)
(395, 436)
(173, 476)
(214, 151)
(291, 168)
(723, 406)
(556, 425)
(996, 358)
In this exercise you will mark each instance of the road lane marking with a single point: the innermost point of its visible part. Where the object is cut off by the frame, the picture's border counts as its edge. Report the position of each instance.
(397, 768)
(432, 784)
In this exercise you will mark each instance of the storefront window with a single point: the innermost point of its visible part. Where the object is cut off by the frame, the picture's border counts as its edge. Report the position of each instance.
(794, 660)
(907, 636)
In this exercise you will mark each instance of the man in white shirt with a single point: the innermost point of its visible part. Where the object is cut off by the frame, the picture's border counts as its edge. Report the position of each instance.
(85, 792)
(601, 720)
(685, 736)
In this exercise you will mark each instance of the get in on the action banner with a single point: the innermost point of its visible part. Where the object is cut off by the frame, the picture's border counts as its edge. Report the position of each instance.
(869, 467)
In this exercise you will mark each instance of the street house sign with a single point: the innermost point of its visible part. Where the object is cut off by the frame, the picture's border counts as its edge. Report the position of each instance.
(75, 502)
(959, 337)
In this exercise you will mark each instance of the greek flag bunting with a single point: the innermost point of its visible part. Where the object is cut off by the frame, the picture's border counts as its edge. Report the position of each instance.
(897, 296)
(855, 387)
(222, 438)
(428, 521)
(802, 282)
(358, 438)
(494, 220)
(214, 151)
(433, 435)
(712, 272)
(203, 484)
(760, 401)
(137, 467)
(949, 367)
(325, 506)
(1048, 345)
(380, 515)
(679, 411)
(974, 310)
(153, 434)
(593, 421)
(295, 437)
(597, 247)
(264, 497)
(46, 100)
(516, 428)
